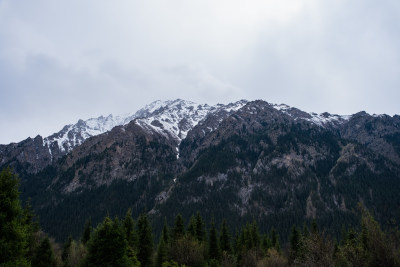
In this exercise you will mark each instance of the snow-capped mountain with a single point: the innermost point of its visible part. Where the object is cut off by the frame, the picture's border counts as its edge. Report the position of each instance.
(247, 158)
(172, 119)
(176, 118)
(324, 119)
(242, 159)
(75, 134)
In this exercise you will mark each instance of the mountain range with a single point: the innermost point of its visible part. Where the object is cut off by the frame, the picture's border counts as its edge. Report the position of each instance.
(240, 161)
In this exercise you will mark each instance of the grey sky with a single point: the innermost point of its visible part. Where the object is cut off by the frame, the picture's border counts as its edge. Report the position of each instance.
(65, 60)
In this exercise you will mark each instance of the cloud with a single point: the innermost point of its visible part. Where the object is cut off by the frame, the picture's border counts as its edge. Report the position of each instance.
(61, 61)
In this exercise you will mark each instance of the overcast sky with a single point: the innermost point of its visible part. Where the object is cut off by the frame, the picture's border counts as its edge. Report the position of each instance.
(65, 60)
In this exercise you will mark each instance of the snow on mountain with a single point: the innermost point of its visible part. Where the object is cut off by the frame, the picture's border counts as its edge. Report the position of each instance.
(75, 134)
(176, 118)
(323, 119)
(172, 118)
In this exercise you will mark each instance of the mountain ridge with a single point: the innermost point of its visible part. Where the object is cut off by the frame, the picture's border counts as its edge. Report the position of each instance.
(241, 160)
(176, 124)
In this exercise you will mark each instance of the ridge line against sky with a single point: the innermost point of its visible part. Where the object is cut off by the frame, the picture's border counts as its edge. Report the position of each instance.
(61, 61)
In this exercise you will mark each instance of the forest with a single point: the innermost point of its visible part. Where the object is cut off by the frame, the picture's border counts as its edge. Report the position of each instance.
(188, 242)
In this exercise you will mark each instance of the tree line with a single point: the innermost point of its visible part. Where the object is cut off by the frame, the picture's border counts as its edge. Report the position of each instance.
(188, 242)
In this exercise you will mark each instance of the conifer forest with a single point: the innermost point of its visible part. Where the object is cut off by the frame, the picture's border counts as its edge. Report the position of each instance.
(187, 241)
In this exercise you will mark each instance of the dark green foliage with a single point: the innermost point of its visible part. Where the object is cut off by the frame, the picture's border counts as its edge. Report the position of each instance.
(44, 255)
(163, 246)
(165, 232)
(191, 229)
(213, 246)
(108, 246)
(129, 227)
(66, 252)
(295, 244)
(275, 240)
(187, 251)
(200, 225)
(31, 229)
(15, 228)
(162, 253)
(255, 235)
(87, 230)
(179, 229)
(225, 239)
(314, 227)
(145, 246)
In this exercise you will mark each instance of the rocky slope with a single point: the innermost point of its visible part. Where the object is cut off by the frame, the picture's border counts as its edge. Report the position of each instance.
(173, 119)
(239, 161)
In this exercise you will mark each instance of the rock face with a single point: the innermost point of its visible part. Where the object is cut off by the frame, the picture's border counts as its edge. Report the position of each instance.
(172, 119)
(239, 161)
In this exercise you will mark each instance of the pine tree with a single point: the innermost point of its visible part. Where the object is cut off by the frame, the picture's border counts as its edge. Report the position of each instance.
(162, 253)
(66, 251)
(87, 230)
(14, 231)
(200, 225)
(248, 238)
(314, 227)
(179, 230)
(306, 232)
(213, 248)
(267, 243)
(255, 235)
(129, 227)
(294, 244)
(162, 250)
(44, 255)
(165, 232)
(275, 240)
(145, 246)
(108, 246)
(224, 238)
(191, 229)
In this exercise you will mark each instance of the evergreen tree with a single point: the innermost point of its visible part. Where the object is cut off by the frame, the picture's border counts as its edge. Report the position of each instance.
(162, 250)
(375, 243)
(213, 248)
(255, 235)
(306, 232)
(275, 240)
(200, 225)
(314, 227)
(87, 230)
(224, 238)
(294, 244)
(14, 231)
(179, 229)
(145, 246)
(266, 243)
(44, 255)
(66, 251)
(32, 229)
(248, 238)
(129, 227)
(165, 232)
(162, 253)
(191, 229)
(108, 246)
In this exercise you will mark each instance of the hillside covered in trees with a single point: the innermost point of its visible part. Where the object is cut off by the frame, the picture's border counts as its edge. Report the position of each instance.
(188, 242)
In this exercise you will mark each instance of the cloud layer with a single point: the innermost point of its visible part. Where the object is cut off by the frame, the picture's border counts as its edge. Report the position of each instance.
(65, 60)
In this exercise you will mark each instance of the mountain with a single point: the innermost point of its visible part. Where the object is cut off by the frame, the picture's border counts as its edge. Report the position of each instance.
(241, 161)
(172, 119)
